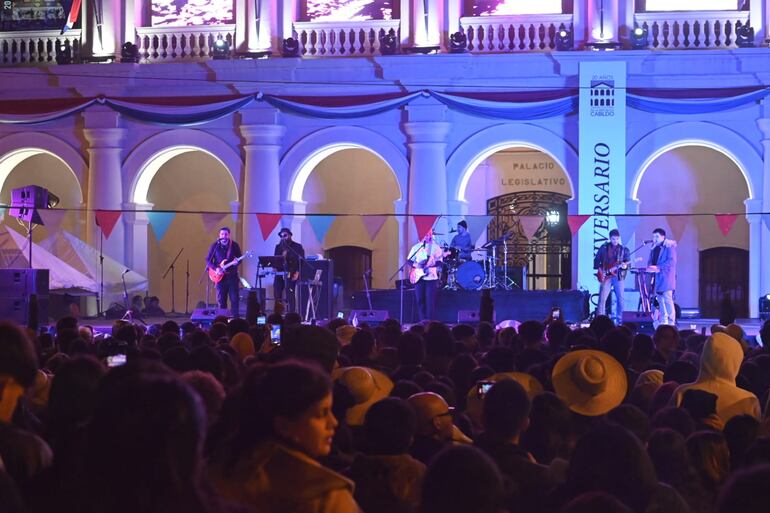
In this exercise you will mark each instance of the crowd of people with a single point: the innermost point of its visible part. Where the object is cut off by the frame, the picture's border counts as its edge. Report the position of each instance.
(519, 417)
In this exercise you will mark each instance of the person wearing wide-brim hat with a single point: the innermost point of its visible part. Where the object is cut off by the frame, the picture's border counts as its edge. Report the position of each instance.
(286, 285)
(366, 386)
(589, 382)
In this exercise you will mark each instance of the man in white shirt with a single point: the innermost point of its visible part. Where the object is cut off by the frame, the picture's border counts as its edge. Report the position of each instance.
(425, 256)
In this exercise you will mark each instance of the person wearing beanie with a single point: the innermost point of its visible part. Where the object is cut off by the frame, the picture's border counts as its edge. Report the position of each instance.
(462, 241)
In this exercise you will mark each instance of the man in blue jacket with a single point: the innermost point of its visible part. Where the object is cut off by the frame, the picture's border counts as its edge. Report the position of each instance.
(662, 261)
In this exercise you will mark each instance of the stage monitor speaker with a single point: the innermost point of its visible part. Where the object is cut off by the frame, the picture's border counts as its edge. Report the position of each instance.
(23, 282)
(470, 316)
(370, 317)
(643, 321)
(206, 316)
(307, 273)
(16, 309)
(764, 307)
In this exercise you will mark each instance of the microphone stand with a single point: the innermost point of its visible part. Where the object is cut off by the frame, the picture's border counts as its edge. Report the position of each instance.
(130, 314)
(187, 289)
(100, 299)
(171, 268)
(366, 287)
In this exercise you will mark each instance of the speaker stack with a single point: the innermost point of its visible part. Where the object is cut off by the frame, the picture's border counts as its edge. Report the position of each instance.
(16, 288)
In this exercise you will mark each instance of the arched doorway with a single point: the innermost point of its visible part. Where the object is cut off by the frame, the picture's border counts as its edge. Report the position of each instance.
(680, 191)
(342, 184)
(188, 183)
(522, 181)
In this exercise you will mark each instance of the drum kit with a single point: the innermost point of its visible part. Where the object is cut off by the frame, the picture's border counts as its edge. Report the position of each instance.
(479, 272)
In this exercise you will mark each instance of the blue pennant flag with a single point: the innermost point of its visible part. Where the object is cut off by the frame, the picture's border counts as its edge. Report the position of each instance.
(321, 225)
(160, 222)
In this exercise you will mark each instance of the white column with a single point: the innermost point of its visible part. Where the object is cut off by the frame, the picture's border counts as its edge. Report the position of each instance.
(136, 225)
(400, 208)
(763, 244)
(288, 13)
(427, 132)
(755, 255)
(105, 183)
(452, 15)
(261, 183)
(254, 22)
(427, 21)
(757, 19)
(107, 37)
(601, 22)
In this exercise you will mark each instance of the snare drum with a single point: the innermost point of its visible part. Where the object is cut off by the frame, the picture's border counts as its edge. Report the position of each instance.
(470, 275)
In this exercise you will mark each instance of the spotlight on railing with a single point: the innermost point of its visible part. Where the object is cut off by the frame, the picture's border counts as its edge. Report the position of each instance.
(458, 42)
(290, 47)
(564, 41)
(129, 52)
(220, 50)
(388, 43)
(639, 38)
(63, 53)
(744, 36)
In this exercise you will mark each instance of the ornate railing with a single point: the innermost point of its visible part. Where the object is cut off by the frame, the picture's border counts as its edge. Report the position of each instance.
(343, 38)
(37, 47)
(165, 44)
(691, 29)
(522, 33)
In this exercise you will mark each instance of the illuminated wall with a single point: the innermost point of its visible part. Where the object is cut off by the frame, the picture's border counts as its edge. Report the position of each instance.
(191, 12)
(351, 10)
(507, 7)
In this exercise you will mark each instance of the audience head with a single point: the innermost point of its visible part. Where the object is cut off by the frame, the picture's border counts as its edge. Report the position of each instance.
(746, 491)
(506, 409)
(389, 427)
(709, 457)
(313, 343)
(433, 415)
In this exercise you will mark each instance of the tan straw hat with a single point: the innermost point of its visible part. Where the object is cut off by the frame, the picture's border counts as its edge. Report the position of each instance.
(590, 382)
(367, 386)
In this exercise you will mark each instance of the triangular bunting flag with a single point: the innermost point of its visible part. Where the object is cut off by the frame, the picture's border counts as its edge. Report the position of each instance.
(52, 218)
(423, 224)
(530, 225)
(725, 222)
(677, 224)
(211, 220)
(106, 219)
(766, 219)
(575, 222)
(267, 223)
(477, 226)
(321, 225)
(373, 225)
(160, 222)
(627, 226)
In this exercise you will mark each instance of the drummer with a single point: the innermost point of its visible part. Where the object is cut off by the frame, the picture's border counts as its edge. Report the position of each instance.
(462, 241)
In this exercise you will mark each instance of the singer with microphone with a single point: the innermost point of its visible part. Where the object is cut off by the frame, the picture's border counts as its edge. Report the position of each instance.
(662, 261)
(223, 264)
(611, 264)
(292, 253)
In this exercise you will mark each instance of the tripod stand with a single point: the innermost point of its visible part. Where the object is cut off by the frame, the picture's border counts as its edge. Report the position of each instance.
(131, 315)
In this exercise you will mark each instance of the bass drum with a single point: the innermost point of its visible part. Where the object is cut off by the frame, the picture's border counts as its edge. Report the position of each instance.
(470, 276)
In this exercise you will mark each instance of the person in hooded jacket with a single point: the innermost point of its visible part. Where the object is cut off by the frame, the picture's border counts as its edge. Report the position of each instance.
(719, 365)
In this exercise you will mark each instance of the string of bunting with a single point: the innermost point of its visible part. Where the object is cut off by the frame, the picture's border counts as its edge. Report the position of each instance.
(161, 220)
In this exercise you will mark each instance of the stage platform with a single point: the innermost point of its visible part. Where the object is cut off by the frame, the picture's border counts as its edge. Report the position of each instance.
(452, 305)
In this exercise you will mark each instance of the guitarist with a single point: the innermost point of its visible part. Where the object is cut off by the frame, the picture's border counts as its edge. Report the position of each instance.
(292, 252)
(425, 256)
(611, 262)
(221, 252)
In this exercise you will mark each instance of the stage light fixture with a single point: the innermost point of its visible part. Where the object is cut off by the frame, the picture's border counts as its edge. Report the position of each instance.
(564, 40)
(388, 43)
(63, 53)
(220, 50)
(744, 36)
(552, 217)
(458, 42)
(129, 52)
(290, 47)
(640, 38)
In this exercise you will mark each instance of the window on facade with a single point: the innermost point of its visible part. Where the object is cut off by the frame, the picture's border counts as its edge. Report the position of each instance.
(182, 13)
(691, 5)
(32, 15)
(351, 10)
(508, 7)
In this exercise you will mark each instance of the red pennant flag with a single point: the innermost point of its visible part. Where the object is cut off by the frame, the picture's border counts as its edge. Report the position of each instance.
(106, 219)
(725, 222)
(267, 223)
(575, 222)
(677, 225)
(424, 224)
(530, 225)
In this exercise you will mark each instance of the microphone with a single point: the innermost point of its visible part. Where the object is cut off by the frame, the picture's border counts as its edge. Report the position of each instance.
(369, 272)
(650, 241)
(452, 231)
(126, 272)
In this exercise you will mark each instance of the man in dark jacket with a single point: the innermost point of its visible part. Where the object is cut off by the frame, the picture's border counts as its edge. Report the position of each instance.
(292, 253)
(611, 263)
(223, 264)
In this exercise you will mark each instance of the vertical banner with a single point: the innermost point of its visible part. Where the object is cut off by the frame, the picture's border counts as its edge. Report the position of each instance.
(602, 134)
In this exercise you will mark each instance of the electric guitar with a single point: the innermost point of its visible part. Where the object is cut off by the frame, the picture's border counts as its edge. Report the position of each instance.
(419, 271)
(218, 273)
(609, 270)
